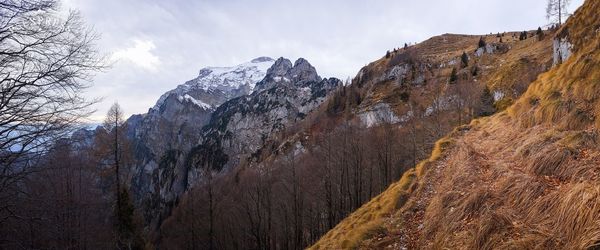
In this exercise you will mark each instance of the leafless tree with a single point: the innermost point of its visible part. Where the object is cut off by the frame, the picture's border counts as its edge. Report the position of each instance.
(556, 10)
(117, 154)
(46, 62)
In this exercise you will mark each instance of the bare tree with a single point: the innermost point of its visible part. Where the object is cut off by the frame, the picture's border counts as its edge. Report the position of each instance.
(118, 150)
(46, 62)
(556, 10)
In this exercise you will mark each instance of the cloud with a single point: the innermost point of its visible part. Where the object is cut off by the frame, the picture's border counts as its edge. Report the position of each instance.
(140, 54)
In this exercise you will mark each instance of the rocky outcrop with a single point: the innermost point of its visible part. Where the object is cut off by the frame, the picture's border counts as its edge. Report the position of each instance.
(561, 50)
(171, 128)
(216, 121)
(240, 127)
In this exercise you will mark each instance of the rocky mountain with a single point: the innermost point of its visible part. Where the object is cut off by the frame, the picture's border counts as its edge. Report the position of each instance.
(361, 138)
(172, 127)
(221, 118)
(240, 128)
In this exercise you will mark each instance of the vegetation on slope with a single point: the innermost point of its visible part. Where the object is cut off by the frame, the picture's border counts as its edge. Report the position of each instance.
(526, 178)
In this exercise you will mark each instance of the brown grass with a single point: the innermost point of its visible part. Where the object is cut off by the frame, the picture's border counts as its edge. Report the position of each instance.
(525, 179)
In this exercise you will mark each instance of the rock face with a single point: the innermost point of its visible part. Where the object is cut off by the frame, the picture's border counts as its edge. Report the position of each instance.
(561, 50)
(172, 127)
(214, 122)
(240, 127)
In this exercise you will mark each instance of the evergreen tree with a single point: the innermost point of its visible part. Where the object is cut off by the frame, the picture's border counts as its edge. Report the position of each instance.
(540, 34)
(487, 103)
(482, 42)
(453, 76)
(464, 59)
(475, 71)
(523, 36)
(129, 236)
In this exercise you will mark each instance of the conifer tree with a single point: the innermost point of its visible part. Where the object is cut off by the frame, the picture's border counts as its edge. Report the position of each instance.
(482, 42)
(464, 59)
(453, 76)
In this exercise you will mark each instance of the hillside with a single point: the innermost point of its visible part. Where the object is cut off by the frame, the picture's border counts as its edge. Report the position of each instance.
(288, 186)
(526, 177)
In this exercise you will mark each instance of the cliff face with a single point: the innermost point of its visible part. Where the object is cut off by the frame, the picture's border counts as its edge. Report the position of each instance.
(524, 178)
(240, 128)
(214, 123)
(163, 136)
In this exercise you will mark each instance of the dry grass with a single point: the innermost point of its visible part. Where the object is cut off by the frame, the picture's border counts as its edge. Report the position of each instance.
(367, 219)
(361, 224)
(568, 95)
(525, 179)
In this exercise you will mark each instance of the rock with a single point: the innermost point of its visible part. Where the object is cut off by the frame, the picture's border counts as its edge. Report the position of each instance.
(163, 137)
(561, 50)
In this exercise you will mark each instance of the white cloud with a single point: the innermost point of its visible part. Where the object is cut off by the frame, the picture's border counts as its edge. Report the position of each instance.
(140, 54)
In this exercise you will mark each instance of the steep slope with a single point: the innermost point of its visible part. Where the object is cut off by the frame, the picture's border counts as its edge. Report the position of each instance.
(172, 127)
(241, 128)
(216, 122)
(415, 79)
(302, 172)
(524, 178)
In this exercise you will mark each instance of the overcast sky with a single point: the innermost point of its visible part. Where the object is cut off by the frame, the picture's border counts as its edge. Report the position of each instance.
(160, 44)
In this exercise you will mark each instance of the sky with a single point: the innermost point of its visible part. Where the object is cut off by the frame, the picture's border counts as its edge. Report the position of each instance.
(155, 45)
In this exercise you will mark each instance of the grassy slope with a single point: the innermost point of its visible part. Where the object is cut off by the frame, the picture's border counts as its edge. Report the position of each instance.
(499, 71)
(523, 178)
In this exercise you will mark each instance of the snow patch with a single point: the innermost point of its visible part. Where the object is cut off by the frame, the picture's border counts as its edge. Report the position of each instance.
(223, 78)
(198, 103)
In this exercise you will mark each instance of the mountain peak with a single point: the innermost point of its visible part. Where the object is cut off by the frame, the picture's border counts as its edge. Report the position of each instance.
(280, 67)
(283, 71)
(304, 71)
(301, 62)
(235, 80)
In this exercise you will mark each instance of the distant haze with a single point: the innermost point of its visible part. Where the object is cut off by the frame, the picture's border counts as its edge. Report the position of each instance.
(160, 44)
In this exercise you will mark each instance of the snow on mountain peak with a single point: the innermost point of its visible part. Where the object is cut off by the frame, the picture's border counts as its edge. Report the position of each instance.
(225, 79)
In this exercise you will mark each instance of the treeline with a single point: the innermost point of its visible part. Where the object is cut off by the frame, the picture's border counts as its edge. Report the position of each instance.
(75, 195)
(291, 202)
